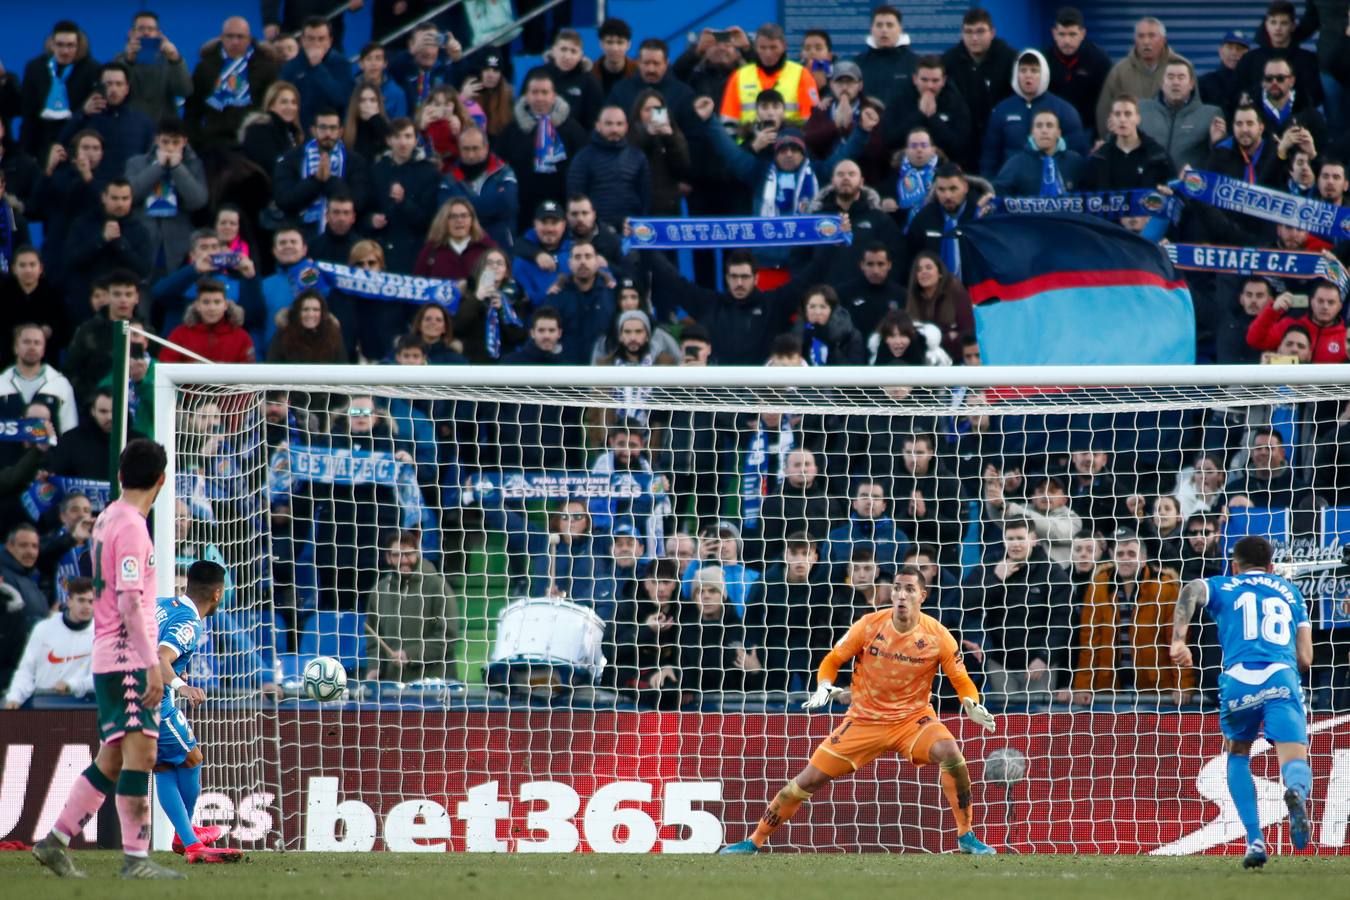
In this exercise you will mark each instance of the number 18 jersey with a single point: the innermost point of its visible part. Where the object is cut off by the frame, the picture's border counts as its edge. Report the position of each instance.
(1257, 615)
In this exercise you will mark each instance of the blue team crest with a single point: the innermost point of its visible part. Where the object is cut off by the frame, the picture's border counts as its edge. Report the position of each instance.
(1194, 182)
(1153, 202)
(827, 228)
(644, 233)
(308, 277)
(444, 293)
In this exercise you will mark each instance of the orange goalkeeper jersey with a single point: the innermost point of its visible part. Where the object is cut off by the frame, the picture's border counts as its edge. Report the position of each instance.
(893, 673)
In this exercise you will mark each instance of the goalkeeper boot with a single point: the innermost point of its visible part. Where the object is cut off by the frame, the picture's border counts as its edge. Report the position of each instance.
(738, 848)
(1299, 830)
(196, 855)
(207, 834)
(1256, 855)
(54, 855)
(969, 843)
(141, 867)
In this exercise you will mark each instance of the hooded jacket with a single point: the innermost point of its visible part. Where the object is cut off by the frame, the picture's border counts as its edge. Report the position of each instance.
(1150, 633)
(1021, 175)
(417, 614)
(1183, 131)
(1010, 122)
(1328, 341)
(886, 68)
(494, 193)
(224, 342)
(515, 145)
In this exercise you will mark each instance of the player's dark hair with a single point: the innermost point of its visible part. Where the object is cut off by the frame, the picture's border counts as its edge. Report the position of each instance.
(738, 257)
(1252, 552)
(913, 572)
(141, 465)
(655, 44)
(205, 574)
(785, 345)
(79, 585)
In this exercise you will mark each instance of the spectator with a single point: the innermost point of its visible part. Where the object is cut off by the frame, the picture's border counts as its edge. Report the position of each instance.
(1050, 514)
(89, 356)
(949, 207)
(13, 225)
(1045, 166)
(1127, 594)
(567, 563)
(797, 502)
(631, 299)
(663, 144)
(1140, 73)
(1021, 602)
(234, 72)
(1283, 108)
(771, 70)
(284, 18)
(643, 640)
(868, 525)
(172, 294)
(68, 185)
(1323, 321)
(488, 183)
(374, 71)
(169, 186)
(1086, 555)
(817, 56)
(495, 94)
(944, 589)
(1163, 533)
(229, 230)
(18, 569)
(541, 250)
(611, 171)
(27, 295)
(366, 124)
(720, 547)
(414, 618)
(937, 298)
(213, 328)
(31, 380)
(1128, 159)
(980, 65)
(566, 65)
(1177, 119)
(826, 330)
(1220, 87)
(633, 343)
(1200, 486)
(428, 63)
(898, 342)
(159, 76)
(18, 168)
(320, 74)
(338, 237)
(614, 64)
(309, 333)
(1280, 44)
(927, 496)
(1267, 481)
(625, 552)
(1202, 553)
(57, 656)
(403, 197)
(540, 142)
(857, 594)
(713, 653)
(789, 625)
(887, 62)
(431, 325)
(440, 119)
(492, 312)
(586, 304)
(268, 136)
(126, 131)
(140, 382)
(454, 242)
(1010, 122)
(930, 102)
(544, 347)
(308, 176)
(869, 295)
(1078, 67)
(102, 241)
(55, 84)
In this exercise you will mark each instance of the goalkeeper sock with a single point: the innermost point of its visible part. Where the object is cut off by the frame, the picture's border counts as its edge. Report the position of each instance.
(956, 787)
(1242, 789)
(1297, 776)
(86, 796)
(779, 811)
(171, 801)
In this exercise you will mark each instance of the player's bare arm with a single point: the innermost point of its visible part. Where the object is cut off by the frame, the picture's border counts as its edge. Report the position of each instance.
(167, 657)
(1192, 597)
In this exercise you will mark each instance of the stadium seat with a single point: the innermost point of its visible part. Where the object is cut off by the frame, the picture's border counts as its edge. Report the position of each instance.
(336, 634)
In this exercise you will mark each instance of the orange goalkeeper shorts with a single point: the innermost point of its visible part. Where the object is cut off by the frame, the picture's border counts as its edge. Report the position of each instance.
(856, 743)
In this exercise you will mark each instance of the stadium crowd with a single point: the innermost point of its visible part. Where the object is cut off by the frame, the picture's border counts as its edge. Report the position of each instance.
(193, 191)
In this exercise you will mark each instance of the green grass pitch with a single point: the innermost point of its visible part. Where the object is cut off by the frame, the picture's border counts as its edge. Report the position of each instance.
(383, 876)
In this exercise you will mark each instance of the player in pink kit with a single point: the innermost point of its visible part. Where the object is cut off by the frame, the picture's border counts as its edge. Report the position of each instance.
(127, 681)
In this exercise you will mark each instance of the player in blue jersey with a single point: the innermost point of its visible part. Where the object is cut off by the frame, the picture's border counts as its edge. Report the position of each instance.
(1266, 639)
(178, 778)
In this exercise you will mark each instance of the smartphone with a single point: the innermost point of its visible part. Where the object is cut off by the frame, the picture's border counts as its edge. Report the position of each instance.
(660, 116)
(224, 260)
(1271, 359)
(723, 36)
(440, 38)
(1298, 301)
(149, 51)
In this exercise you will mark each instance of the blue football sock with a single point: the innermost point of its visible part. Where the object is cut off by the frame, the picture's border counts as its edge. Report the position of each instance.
(1297, 775)
(171, 801)
(189, 787)
(1242, 789)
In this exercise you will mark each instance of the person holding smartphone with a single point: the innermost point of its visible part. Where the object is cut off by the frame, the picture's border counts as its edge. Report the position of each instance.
(159, 74)
(1320, 317)
(667, 151)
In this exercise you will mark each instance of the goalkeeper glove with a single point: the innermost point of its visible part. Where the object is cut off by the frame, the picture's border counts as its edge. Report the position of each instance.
(979, 715)
(825, 693)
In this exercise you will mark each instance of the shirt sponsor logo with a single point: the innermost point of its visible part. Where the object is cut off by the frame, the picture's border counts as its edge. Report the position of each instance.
(130, 568)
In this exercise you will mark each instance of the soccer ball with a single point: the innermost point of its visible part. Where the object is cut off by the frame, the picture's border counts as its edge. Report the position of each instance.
(1006, 766)
(325, 679)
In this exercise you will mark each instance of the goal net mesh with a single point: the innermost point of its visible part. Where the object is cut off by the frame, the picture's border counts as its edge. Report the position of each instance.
(586, 617)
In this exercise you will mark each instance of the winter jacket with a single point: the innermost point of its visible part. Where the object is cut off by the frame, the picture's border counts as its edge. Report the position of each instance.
(884, 69)
(983, 85)
(1021, 174)
(882, 536)
(58, 200)
(530, 354)
(790, 509)
(155, 88)
(443, 261)
(1183, 132)
(1079, 79)
(470, 322)
(266, 138)
(25, 579)
(169, 234)
(405, 72)
(38, 134)
(925, 229)
(329, 83)
(211, 128)
(224, 342)
(1150, 634)
(581, 91)
(868, 303)
(1025, 616)
(44, 305)
(515, 145)
(294, 193)
(1269, 326)
(1010, 122)
(87, 256)
(940, 523)
(1109, 168)
(407, 221)
(494, 193)
(126, 132)
(1055, 529)
(586, 316)
(615, 175)
(844, 345)
(578, 571)
(790, 626)
(669, 163)
(949, 126)
(414, 613)
(1131, 76)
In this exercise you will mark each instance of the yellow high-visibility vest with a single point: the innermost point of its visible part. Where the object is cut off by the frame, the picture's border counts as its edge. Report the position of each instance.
(788, 84)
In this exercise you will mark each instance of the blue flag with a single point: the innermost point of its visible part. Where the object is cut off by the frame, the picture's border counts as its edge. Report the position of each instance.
(1066, 289)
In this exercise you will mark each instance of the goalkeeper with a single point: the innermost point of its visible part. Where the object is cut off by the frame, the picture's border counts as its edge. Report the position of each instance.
(898, 651)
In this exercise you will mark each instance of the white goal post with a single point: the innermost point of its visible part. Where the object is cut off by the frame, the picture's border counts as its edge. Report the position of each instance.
(509, 742)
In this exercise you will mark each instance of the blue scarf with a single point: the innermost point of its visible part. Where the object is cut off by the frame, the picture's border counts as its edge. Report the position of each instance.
(162, 201)
(755, 469)
(390, 285)
(951, 244)
(1257, 261)
(911, 188)
(1052, 180)
(788, 193)
(493, 338)
(1230, 194)
(703, 232)
(304, 276)
(548, 147)
(57, 104)
(818, 353)
(1279, 114)
(315, 214)
(232, 87)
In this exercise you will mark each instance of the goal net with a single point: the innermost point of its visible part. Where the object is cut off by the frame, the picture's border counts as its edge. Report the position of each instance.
(580, 609)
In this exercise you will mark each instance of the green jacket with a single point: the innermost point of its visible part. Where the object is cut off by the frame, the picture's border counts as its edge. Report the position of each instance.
(417, 614)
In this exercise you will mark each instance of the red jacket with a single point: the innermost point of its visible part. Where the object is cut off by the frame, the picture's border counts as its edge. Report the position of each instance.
(441, 260)
(223, 342)
(1268, 328)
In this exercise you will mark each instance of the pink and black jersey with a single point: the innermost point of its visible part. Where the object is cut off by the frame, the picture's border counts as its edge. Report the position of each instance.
(124, 560)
